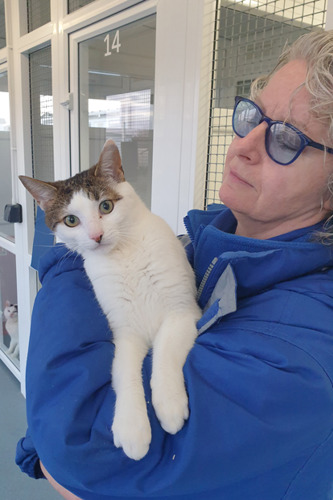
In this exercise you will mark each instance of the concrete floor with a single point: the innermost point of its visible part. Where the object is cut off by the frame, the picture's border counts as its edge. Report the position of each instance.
(14, 485)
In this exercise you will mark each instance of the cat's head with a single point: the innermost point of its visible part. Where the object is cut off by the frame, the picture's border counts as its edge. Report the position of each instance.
(10, 310)
(82, 209)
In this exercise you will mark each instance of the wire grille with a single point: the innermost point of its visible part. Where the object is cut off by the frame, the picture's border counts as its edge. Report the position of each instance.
(41, 106)
(249, 36)
(38, 13)
(2, 25)
(73, 5)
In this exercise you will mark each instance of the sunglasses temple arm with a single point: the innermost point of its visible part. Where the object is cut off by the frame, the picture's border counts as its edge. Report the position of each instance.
(320, 146)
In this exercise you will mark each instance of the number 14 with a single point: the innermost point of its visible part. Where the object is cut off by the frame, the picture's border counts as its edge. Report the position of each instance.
(115, 44)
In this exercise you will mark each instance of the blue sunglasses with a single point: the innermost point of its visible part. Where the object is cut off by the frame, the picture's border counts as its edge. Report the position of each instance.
(284, 142)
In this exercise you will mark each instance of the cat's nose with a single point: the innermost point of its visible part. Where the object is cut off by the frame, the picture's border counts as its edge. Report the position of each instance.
(97, 237)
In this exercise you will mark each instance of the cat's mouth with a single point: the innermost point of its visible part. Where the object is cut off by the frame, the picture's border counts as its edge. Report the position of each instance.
(101, 245)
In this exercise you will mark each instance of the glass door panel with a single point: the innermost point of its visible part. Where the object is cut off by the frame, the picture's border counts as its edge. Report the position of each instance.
(3, 42)
(73, 5)
(38, 13)
(8, 301)
(41, 100)
(116, 99)
(6, 228)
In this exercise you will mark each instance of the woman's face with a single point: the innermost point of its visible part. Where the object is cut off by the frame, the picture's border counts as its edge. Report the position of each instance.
(266, 198)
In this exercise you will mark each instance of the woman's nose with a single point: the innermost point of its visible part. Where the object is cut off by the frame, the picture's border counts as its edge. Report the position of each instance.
(252, 146)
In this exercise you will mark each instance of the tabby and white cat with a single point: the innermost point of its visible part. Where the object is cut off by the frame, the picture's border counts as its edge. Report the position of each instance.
(143, 282)
(11, 324)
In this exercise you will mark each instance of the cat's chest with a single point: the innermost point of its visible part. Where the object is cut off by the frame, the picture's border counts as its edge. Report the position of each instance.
(134, 278)
(12, 326)
(122, 268)
(128, 291)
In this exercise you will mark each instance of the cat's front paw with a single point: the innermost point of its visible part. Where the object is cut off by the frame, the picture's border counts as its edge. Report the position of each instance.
(171, 408)
(132, 433)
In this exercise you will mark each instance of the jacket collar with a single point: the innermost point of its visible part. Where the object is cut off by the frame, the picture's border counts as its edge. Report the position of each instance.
(256, 264)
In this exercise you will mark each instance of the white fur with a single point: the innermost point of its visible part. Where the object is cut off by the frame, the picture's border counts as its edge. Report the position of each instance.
(10, 314)
(145, 286)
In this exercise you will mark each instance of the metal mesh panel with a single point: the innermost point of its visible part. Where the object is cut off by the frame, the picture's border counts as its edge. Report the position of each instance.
(38, 13)
(2, 25)
(248, 41)
(77, 4)
(41, 105)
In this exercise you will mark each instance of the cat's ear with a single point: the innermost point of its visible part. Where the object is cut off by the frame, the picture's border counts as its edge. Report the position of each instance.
(7, 303)
(43, 192)
(109, 162)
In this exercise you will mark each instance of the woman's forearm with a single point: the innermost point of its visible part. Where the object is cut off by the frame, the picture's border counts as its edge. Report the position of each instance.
(60, 489)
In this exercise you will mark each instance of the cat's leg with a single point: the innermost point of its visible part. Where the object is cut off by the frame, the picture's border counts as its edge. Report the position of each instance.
(16, 351)
(171, 347)
(11, 347)
(131, 427)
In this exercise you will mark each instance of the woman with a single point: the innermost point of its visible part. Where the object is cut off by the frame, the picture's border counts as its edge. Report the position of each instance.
(260, 375)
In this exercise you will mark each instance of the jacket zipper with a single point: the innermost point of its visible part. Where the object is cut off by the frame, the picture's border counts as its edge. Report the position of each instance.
(188, 228)
(205, 277)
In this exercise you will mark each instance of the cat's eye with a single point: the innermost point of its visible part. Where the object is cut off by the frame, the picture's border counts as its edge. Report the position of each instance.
(71, 220)
(106, 206)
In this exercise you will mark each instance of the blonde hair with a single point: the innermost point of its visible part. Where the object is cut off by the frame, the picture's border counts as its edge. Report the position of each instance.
(316, 49)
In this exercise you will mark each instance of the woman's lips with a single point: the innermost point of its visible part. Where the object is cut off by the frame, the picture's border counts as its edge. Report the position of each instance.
(238, 178)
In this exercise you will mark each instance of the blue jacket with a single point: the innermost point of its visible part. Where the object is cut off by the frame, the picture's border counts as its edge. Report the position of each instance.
(259, 378)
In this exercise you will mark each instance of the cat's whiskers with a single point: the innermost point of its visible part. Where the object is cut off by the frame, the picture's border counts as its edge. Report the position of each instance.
(69, 253)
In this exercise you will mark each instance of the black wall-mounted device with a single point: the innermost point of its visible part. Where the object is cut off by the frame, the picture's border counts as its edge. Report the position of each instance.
(13, 213)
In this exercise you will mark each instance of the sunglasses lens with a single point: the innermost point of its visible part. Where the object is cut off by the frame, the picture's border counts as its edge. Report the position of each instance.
(283, 143)
(245, 118)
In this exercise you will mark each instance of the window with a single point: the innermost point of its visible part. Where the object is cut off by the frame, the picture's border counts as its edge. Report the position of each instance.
(8, 298)
(38, 13)
(77, 4)
(116, 87)
(6, 229)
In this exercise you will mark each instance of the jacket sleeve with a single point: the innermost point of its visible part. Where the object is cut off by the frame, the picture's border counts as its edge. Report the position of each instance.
(27, 458)
(256, 404)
